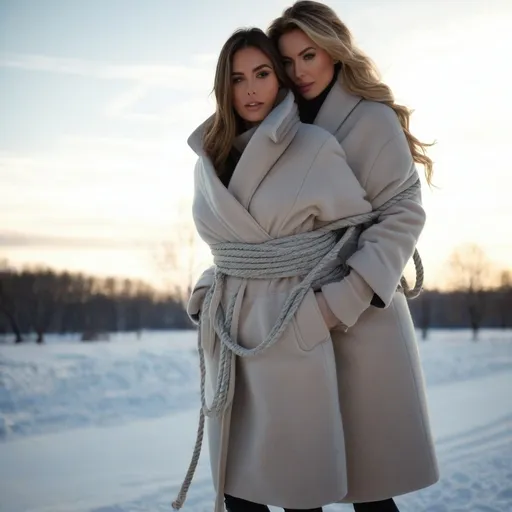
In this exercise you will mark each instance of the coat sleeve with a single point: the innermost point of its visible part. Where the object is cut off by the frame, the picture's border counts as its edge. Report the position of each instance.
(385, 247)
(195, 301)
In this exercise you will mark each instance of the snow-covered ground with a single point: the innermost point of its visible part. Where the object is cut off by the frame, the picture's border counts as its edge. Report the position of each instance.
(109, 426)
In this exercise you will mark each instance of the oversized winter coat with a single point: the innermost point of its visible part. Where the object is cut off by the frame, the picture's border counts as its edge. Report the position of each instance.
(388, 439)
(281, 443)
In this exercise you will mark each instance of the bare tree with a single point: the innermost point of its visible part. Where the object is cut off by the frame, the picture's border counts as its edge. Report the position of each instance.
(8, 303)
(471, 274)
(425, 300)
(44, 301)
(505, 299)
(179, 259)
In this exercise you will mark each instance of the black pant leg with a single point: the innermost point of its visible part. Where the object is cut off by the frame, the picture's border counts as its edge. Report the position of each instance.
(239, 505)
(302, 510)
(376, 506)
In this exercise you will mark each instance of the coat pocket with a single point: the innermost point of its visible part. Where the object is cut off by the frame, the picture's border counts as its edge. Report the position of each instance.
(310, 327)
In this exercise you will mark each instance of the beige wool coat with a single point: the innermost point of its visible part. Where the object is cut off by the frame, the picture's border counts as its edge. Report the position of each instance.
(281, 442)
(388, 441)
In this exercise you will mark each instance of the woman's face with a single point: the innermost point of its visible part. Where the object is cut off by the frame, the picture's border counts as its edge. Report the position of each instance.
(311, 68)
(254, 84)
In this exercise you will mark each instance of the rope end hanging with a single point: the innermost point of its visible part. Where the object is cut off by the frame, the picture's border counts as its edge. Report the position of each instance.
(176, 505)
(418, 286)
(182, 494)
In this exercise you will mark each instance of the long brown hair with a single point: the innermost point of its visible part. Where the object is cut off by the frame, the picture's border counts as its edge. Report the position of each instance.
(359, 74)
(221, 131)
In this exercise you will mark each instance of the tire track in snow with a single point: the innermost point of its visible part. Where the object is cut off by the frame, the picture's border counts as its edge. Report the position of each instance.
(476, 442)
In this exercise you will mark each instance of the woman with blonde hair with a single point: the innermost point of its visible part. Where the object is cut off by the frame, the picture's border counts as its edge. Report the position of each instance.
(388, 439)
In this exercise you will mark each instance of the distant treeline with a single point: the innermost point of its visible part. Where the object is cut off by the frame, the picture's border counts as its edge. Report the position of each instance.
(44, 301)
(41, 301)
(490, 308)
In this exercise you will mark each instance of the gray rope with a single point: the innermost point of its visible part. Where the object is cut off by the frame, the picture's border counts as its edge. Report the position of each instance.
(313, 257)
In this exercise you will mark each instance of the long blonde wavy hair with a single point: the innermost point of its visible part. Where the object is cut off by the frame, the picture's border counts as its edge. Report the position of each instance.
(359, 73)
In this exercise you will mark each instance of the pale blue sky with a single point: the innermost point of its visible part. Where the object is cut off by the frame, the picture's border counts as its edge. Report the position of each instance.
(97, 99)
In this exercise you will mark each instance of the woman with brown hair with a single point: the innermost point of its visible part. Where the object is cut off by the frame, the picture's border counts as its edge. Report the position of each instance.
(278, 205)
(381, 388)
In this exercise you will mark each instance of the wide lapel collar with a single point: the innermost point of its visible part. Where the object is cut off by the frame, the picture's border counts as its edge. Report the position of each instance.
(266, 145)
(230, 213)
(225, 207)
(195, 139)
(336, 108)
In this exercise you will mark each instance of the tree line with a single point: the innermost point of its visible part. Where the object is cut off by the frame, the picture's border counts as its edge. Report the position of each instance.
(490, 308)
(41, 301)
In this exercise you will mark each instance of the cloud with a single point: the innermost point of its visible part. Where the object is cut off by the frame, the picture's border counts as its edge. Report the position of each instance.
(12, 239)
(119, 105)
(122, 146)
(116, 187)
(205, 58)
(163, 75)
(180, 113)
(144, 78)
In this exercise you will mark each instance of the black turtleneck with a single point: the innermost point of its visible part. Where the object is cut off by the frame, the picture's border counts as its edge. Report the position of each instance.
(308, 109)
(229, 166)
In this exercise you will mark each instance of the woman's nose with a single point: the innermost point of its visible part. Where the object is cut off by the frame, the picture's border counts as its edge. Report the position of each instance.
(251, 88)
(298, 70)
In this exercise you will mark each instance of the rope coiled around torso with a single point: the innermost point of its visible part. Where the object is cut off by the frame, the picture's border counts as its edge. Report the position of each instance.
(312, 256)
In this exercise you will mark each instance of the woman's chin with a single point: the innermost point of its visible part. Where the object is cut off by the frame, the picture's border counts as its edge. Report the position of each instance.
(310, 95)
(253, 118)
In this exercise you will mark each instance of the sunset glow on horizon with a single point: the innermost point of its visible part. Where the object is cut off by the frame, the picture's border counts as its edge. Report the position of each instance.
(98, 100)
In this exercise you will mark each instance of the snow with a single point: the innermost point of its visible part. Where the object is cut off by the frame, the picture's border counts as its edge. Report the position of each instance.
(66, 384)
(109, 426)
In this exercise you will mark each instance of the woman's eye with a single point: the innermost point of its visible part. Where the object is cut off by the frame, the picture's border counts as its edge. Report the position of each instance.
(263, 74)
(237, 80)
(309, 56)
